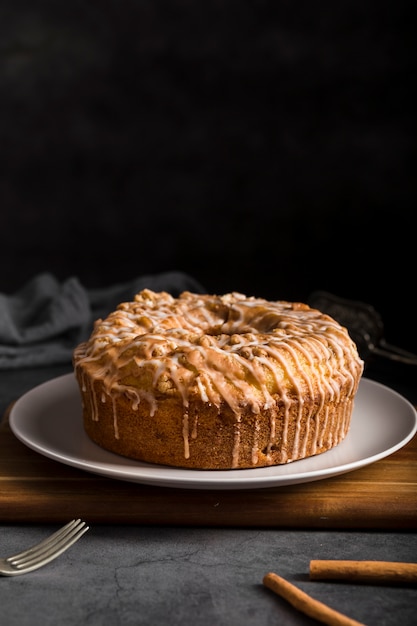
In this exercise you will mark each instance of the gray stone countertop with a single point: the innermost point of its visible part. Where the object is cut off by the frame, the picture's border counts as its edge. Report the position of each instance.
(131, 575)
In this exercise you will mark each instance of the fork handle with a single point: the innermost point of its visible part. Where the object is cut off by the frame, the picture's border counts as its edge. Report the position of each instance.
(388, 351)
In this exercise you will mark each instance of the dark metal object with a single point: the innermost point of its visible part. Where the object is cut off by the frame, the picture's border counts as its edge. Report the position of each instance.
(364, 325)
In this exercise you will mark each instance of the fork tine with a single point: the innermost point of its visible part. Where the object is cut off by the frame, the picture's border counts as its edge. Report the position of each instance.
(48, 549)
(45, 557)
(48, 540)
(52, 550)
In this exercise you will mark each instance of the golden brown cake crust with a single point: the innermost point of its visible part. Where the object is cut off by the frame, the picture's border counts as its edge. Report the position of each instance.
(217, 382)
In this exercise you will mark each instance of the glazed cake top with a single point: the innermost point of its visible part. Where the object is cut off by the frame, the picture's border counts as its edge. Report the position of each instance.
(233, 349)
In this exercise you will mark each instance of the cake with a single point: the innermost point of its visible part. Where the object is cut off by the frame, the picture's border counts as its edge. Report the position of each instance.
(217, 381)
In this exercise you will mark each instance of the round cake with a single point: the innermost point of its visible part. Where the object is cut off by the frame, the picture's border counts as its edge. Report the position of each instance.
(217, 382)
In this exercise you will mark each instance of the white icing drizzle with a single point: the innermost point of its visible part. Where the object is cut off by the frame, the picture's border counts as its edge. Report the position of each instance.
(116, 428)
(246, 353)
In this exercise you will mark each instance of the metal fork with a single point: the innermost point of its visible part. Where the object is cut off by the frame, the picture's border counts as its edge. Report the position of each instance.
(43, 552)
(364, 324)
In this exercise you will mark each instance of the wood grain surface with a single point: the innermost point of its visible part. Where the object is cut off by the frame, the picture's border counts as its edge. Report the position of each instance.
(33, 488)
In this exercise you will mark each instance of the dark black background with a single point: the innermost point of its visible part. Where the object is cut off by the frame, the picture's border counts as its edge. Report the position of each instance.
(263, 147)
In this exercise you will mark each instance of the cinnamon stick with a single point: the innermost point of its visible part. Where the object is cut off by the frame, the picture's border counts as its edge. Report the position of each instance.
(372, 572)
(305, 603)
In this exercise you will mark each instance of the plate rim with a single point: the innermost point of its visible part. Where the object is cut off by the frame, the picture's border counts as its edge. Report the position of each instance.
(165, 476)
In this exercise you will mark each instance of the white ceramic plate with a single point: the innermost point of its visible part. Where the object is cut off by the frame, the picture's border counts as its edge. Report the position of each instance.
(48, 419)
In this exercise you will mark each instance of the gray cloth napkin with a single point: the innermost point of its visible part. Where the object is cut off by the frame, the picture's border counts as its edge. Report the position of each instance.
(43, 322)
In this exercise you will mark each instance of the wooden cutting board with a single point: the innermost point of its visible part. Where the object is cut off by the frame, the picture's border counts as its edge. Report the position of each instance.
(33, 488)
